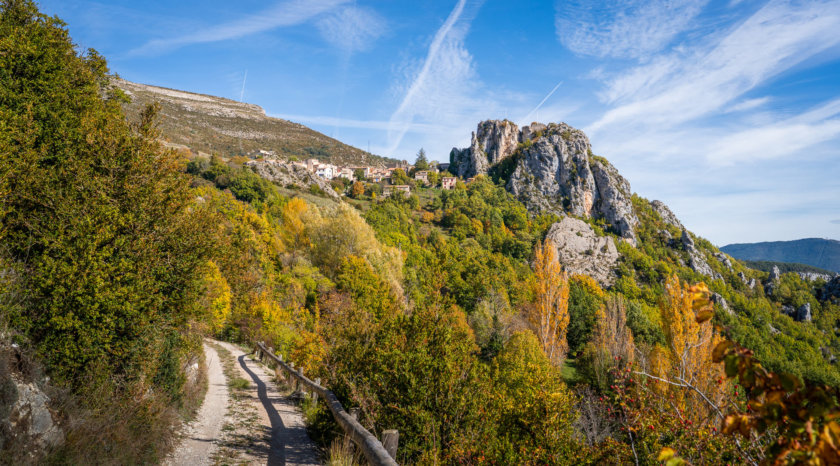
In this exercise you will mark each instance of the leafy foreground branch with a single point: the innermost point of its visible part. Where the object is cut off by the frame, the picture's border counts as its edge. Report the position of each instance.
(802, 416)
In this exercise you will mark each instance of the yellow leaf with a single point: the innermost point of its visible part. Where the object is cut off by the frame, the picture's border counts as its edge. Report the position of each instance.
(665, 454)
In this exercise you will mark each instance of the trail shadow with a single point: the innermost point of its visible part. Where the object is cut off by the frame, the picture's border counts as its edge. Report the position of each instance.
(275, 453)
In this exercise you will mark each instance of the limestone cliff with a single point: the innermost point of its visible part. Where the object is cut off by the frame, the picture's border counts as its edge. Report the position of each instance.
(552, 169)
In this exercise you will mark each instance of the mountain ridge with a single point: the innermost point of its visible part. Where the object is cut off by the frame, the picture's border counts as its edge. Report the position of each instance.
(817, 252)
(216, 125)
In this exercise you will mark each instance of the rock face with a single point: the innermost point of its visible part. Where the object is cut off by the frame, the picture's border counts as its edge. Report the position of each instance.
(27, 426)
(721, 301)
(287, 174)
(581, 251)
(665, 214)
(695, 258)
(552, 171)
(814, 276)
(775, 274)
(492, 142)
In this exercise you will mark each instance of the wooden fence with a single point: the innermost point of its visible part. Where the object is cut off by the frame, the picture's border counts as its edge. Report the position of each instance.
(375, 452)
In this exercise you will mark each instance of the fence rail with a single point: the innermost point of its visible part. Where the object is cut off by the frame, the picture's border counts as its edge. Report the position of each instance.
(375, 452)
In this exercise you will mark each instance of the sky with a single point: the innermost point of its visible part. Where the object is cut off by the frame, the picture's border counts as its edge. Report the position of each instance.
(727, 111)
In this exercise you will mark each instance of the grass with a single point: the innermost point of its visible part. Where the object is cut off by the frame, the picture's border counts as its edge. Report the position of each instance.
(569, 371)
(238, 383)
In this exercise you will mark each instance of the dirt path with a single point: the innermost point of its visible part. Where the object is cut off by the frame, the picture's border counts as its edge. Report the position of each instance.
(201, 437)
(265, 426)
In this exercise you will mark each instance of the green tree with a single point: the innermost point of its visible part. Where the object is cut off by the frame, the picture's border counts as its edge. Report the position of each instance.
(99, 218)
(422, 163)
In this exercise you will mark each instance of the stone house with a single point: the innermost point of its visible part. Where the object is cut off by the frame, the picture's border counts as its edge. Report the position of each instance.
(403, 189)
(448, 182)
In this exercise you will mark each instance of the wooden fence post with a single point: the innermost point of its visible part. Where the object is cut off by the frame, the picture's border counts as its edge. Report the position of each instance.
(390, 440)
(314, 393)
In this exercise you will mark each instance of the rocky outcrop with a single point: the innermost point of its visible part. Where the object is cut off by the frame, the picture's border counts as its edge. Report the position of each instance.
(552, 170)
(772, 280)
(286, 174)
(581, 251)
(721, 301)
(803, 314)
(665, 214)
(696, 260)
(724, 259)
(800, 314)
(814, 276)
(492, 142)
(775, 274)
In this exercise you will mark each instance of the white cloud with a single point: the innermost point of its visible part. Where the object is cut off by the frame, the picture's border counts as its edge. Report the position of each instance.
(749, 104)
(688, 85)
(352, 28)
(284, 14)
(624, 29)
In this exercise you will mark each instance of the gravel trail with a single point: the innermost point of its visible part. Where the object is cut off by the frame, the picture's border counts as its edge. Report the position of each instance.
(201, 437)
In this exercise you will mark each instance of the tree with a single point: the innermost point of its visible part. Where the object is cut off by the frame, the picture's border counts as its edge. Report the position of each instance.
(357, 190)
(550, 315)
(434, 178)
(99, 217)
(422, 162)
(398, 176)
(359, 174)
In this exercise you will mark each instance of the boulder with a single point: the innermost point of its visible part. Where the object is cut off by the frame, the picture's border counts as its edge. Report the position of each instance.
(581, 251)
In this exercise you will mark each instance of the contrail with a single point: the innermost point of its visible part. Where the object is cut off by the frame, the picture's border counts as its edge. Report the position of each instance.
(242, 92)
(420, 79)
(528, 116)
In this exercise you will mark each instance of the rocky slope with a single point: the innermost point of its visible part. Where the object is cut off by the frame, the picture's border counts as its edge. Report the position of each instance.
(211, 124)
(550, 168)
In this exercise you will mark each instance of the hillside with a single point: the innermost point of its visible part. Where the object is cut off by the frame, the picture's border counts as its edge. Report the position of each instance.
(216, 125)
(817, 252)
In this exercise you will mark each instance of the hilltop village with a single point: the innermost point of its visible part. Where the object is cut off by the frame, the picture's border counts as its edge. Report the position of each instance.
(358, 180)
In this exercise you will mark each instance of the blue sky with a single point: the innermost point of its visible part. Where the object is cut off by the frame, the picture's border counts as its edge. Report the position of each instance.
(729, 112)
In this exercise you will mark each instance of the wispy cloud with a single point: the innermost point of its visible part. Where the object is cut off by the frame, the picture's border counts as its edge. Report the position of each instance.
(288, 13)
(749, 104)
(624, 29)
(443, 83)
(836, 221)
(692, 83)
(352, 28)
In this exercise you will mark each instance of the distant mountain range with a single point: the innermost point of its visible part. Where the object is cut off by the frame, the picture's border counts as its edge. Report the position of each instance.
(214, 125)
(817, 252)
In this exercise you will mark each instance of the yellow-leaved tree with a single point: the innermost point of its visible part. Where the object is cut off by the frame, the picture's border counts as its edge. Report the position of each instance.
(686, 363)
(216, 299)
(550, 314)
